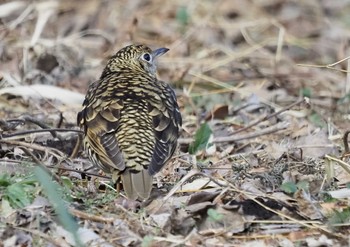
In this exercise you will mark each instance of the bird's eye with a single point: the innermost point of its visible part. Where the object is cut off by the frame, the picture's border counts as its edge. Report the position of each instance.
(146, 57)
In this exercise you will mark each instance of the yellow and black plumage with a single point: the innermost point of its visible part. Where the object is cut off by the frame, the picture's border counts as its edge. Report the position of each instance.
(131, 119)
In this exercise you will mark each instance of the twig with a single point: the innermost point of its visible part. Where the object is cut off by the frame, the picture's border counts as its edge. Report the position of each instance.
(39, 163)
(37, 122)
(303, 223)
(37, 233)
(28, 132)
(345, 141)
(282, 221)
(59, 168)
(271, 115)
(60, 121)
(188, 176)
(58, 154)
(328, 66)
(180, 183)
(76, 147)
(86, 216)
(78, 171)
(268, 130)
(343, 164)
(249, 136)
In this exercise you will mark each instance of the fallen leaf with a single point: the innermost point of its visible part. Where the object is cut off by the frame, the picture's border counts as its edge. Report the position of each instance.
(218, 112)
(45, 92)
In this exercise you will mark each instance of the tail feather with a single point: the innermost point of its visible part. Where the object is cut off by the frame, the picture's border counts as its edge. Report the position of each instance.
(126, 178)
(137, 184)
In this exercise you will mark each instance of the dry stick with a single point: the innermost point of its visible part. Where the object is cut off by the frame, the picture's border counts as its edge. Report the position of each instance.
(37, 122)
(270, 116)
(345, 141)
(92, 217)
(60, 121)
(181, 182)
(193, 172)
(185, 178)
(58, 153)
(282, 221)
(284, 215)
(39, 163)
(58, 168)
(43, 149)
(28, 132)
(328, 66)
(75, 151)
(78, 171)
(266, 131)
(343, 164)
(27, 146)
(38, 233)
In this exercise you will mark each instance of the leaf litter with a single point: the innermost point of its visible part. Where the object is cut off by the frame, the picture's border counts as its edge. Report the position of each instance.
(263, 90)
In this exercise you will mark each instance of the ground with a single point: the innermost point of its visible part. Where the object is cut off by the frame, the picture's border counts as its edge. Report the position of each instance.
(264, 95)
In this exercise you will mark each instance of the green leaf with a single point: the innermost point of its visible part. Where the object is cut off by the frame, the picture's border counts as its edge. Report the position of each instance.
(67, 182)
(17, 195)
(340, 217)
(348, 185)
(289, 187)
(214, 215)
(304, 185)
(344, 99)
(147, 241)
(306, 92)
(182, 15)
(54, 195)
(5, 180)
(201, 139)
(327, 197)
(317, 120)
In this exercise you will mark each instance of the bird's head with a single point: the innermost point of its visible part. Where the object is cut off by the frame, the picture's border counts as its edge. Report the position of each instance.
(135, 57)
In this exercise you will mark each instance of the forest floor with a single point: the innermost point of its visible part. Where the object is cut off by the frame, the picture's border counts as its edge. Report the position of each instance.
(264, 93)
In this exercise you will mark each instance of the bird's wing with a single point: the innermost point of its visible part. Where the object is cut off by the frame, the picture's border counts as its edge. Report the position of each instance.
(100, 120)
(166, 122)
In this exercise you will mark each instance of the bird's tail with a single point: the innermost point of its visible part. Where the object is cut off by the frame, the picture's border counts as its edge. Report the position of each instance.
(137, 184)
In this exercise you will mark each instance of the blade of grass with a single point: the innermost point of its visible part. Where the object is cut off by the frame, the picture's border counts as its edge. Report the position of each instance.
(55, 197)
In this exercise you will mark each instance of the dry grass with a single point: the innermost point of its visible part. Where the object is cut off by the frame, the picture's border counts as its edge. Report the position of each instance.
(269, 77)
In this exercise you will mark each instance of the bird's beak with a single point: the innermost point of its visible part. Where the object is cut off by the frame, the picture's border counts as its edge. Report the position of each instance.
(160, 51)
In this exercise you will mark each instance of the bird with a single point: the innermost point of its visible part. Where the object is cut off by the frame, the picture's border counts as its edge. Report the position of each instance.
(131, 120)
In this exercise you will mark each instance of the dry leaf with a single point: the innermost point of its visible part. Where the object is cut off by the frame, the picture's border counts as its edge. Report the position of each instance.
(45, 92)
(218, 112)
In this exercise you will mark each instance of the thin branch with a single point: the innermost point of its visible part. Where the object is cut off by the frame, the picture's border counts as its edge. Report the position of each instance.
(268, 130)
(92, 217)
(271, 115)
(345, 141)
(281, 214)
(328, 66)
(79, 171)
(28, 132)
(39, 163)
(38, 233)
(58, 154)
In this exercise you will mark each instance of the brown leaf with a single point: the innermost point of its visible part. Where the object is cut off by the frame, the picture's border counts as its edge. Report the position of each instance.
(202, 196)
(218, 112)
